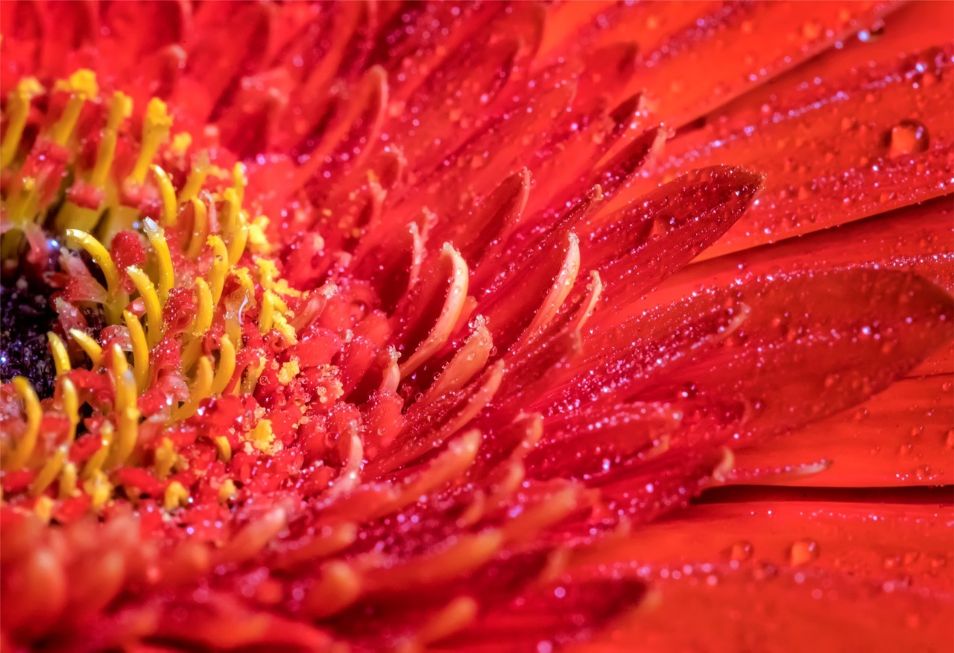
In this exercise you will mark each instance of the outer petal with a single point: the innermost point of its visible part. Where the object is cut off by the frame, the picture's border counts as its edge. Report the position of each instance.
(900, 437)
(789, 575)
(887, 117)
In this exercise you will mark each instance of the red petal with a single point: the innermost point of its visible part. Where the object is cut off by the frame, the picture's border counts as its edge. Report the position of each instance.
(813, 345)
(886, 120)
(902, 436)
(757, 572)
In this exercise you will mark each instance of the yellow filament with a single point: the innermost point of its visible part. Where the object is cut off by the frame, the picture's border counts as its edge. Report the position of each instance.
(20, 205)
(238, 241)
(226, 368)
(224, 448)
(98, 459)
(197, 175)
(232, 211)
(68, 480)
(43, 508)
(204, 309)
(31, 404)
(99, 489)
(176, 495)
(18, 109)
(71, 407)
(48, 473)
(127, 412)
(120, 108)
(200, 324)
(167, 275)
(167, 194)
(140, 350)
(220, 267)
(155, 129)
(89, 345)
(239, 181)
(166, 458)
(72, 216)
(80, 239)
(267, 315)
(76, 238)
(227, 490)
(150, 299)
(81, 86)
(251, 377)
(200, 223)
(235, 227)
(199, 391)
(61, 358)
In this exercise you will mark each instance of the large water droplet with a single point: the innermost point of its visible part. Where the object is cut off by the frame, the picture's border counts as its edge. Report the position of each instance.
(906, 138)
(802, 552)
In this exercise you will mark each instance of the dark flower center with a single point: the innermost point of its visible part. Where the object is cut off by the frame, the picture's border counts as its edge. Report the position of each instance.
(26, 316)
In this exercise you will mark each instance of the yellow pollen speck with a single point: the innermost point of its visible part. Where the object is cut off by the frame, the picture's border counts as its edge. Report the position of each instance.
(175, 496)
(262, 437)
(288, 371)
(257, 239)
(280, 324)
(181, 143)
(269, 277)
(82, 82)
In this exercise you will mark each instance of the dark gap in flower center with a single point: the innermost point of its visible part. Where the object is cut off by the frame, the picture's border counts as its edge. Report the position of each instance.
(26, 315)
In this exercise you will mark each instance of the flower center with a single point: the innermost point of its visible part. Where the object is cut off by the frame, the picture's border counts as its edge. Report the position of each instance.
(138, 319)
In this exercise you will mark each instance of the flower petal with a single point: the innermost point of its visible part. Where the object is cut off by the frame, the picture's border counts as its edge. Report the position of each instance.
(901, 436)
(751, 42)
(886, 118)
(756, 572)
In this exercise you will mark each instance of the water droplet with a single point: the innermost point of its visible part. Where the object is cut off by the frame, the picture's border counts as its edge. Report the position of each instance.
(873, 34)
(740, 551)
(907, 137)
(802, 552)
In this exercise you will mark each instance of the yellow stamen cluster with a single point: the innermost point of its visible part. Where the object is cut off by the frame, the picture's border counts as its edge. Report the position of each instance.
(136, 297)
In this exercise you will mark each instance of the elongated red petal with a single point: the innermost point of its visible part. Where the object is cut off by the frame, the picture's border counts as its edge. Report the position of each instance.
(756, 572)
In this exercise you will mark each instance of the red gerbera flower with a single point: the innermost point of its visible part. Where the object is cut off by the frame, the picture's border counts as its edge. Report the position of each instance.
(476, 327)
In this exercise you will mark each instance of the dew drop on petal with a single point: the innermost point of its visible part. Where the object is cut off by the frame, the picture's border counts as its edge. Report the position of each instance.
(741, 551)
(802, 552)
(906, 138)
